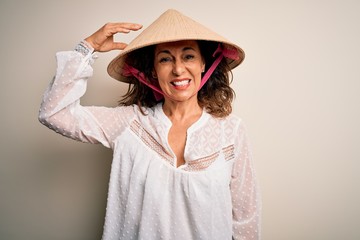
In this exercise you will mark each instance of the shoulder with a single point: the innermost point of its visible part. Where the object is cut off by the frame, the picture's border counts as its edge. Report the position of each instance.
(127, 113)
(232, 121)
(235, 127)
(232, 126)
(134, 112)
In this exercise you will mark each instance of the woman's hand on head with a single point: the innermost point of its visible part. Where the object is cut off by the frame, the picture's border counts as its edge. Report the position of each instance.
(103, 39)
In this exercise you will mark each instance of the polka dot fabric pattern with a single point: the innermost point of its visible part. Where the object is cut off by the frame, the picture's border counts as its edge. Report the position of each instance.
(213, 195)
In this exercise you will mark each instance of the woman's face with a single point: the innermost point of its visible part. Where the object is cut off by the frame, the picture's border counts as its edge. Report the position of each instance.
(178, 67)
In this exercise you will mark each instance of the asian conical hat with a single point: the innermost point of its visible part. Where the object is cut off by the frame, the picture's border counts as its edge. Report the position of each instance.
(171, 26)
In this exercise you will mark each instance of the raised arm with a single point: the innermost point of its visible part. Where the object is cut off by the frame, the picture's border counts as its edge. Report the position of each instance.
(60, 108)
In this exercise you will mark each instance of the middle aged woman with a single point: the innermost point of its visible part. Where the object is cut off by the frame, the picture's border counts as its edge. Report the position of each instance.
(181, 165)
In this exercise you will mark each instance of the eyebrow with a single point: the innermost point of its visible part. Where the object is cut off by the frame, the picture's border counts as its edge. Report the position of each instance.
(168, 52)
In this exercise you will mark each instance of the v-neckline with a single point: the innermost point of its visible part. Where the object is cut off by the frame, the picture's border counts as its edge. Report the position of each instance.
(159, 113)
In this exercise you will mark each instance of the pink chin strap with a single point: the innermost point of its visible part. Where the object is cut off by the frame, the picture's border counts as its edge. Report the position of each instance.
(129, 71)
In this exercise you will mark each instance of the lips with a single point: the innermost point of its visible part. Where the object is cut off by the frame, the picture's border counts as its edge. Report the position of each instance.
(180, 82)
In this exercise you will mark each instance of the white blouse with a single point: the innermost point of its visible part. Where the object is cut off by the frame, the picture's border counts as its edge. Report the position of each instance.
(212, 196)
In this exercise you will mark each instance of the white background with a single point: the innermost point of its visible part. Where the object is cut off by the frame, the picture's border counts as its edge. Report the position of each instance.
(297, 91)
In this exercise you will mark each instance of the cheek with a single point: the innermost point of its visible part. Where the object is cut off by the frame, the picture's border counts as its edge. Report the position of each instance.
(197, 71)
(162, 77)
(162, 70)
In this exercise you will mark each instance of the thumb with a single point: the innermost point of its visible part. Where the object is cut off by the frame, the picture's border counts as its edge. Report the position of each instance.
(119, 45)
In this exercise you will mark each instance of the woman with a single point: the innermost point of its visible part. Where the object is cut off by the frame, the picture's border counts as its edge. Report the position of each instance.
(181, 167)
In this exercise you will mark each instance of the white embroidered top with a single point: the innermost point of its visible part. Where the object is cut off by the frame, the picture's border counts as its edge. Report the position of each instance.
(212, 196)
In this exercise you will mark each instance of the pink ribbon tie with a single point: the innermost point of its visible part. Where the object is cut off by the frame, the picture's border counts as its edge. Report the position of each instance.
(224, 52)
(131, 71)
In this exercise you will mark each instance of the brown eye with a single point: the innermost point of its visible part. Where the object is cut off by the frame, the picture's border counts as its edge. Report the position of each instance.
(189, 56)
(165, 59)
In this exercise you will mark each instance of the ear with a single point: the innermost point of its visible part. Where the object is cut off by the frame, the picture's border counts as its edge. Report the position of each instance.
(203, 64)
(153, 74)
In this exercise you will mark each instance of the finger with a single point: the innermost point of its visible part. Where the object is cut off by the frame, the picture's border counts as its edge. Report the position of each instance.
(119, 45)
(130, 26)
(123, 27)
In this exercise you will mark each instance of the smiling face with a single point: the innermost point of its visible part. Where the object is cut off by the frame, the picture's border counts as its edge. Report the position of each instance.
(178, 67)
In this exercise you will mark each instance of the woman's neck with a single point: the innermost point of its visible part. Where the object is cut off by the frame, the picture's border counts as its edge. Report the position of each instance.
(181, 111)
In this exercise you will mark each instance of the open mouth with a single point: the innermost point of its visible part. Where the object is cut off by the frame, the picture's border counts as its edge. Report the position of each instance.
(181, 83)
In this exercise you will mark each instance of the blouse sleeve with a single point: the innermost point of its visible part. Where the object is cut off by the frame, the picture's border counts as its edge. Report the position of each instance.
(244, 193)
(61, 110)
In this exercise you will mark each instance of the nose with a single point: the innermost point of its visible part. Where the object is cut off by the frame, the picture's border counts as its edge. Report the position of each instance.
(178, 68)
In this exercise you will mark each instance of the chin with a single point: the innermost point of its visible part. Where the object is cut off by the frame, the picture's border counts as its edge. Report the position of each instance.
(182, 98)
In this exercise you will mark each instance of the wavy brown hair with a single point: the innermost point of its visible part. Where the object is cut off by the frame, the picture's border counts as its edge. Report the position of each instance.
(215, 96)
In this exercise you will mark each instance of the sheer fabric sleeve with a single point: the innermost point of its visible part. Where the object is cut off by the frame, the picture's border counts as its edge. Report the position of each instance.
(61, 110)
(244, 193)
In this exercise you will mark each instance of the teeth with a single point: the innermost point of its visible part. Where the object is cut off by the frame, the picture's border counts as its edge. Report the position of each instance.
(181, 83)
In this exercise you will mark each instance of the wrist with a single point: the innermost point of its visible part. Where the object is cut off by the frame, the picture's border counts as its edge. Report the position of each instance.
(84, 48)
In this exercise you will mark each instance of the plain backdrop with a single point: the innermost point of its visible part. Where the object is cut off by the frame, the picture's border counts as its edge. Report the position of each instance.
(297, 91)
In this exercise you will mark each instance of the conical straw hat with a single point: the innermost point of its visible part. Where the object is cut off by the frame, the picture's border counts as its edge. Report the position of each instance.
(171, 26)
